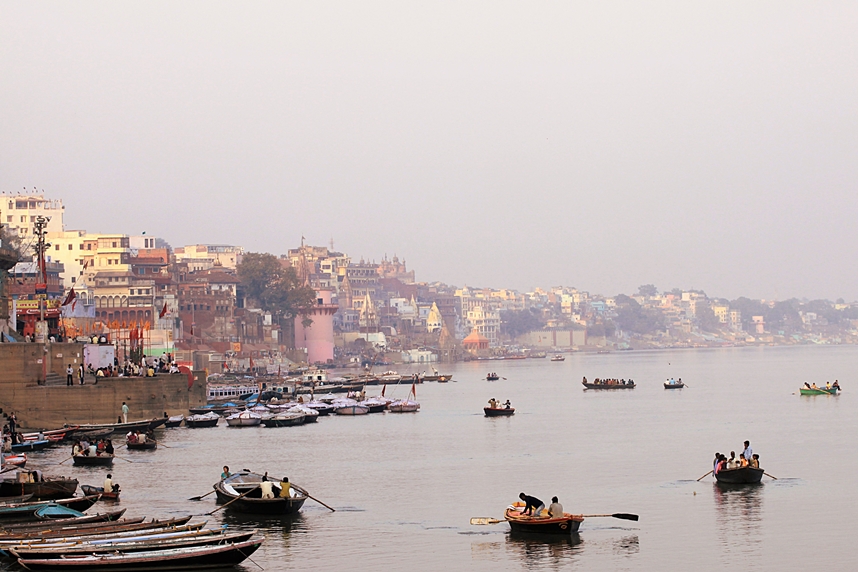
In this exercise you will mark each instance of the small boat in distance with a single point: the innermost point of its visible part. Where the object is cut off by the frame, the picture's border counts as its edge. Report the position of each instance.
(740, 476)
(499, 411)
(609, 384)
(674, 384)
(558, 357)
(829, 389)
(492, 377)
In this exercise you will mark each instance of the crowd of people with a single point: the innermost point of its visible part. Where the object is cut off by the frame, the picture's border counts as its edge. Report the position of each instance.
(747, 459)
(148, 367)
(84, 448)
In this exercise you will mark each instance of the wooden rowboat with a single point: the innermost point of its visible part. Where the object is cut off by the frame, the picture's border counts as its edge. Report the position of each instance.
(194, 558)
(542, 524)
(89, 490)
(740, 476)
(499, 411)
(628, 385)
(147, 445)
(818, 391)
(174, 421)
(103, 460)
(49, 488)
(32, 446)
(232, 487)
(677, 385)
(199, 421)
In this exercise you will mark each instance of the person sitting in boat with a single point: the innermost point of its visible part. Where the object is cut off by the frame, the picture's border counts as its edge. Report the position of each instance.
(836, 385)
(722, 464)
(828, 385)
(755, 462)
(93, 450)
(532, 505)
(108, 446)
(131, 437)
(747, 452)
(84, 447)
(76, 449)
(807, 385)
(225, 473)
(555, 510)
(285, 488)
(108, 483)
(100, 447)
(813, 386)
(507, 405)
(267, 487)
(732, 463)
(493, 403)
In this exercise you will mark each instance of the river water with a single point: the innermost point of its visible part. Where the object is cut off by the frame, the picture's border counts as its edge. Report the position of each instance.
(406, 485)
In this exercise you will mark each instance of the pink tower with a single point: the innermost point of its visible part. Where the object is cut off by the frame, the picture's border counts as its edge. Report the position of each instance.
(318, 339)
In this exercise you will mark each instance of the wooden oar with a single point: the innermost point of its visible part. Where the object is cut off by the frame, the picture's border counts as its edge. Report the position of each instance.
(768, 475)
(242, 495)
(485, 520)
(67, 460)
(201, 497)
(706, 475)
(620, 515)
(123, 458)
(318, 501)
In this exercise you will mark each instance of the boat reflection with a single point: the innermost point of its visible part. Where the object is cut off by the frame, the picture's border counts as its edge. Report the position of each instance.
(538, 550)
(627, 545)
(739, 514)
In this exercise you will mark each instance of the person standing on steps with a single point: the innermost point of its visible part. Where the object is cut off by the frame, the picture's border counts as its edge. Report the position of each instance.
(80, 371)
(69, 376)
(124, 412)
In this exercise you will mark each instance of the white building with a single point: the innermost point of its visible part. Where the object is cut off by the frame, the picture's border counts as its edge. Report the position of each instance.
(206, 256)
(18, 212)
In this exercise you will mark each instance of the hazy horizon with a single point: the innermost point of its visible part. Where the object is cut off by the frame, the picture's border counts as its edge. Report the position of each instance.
(602, 146)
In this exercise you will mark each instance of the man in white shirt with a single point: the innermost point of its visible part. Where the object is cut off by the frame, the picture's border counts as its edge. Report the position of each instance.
(556, 509)
(748, 453)
(108, 483)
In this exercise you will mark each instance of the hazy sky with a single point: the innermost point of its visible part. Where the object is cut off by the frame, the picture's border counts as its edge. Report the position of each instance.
(602, 145)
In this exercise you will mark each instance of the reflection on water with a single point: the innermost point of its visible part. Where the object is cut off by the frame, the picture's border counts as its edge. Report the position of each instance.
(739, 513)
(540, 550)
(627, 545)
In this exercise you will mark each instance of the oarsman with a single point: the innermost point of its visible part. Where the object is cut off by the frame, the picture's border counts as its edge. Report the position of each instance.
(748, 453)
(556, 509)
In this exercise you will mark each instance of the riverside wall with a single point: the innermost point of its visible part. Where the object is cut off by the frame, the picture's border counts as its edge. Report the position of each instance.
(39, 406)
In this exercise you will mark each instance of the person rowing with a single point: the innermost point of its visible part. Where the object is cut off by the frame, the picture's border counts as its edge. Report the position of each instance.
(532, 505)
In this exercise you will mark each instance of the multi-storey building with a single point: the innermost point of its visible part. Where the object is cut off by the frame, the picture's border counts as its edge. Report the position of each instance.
(18, 212)
(205, 256)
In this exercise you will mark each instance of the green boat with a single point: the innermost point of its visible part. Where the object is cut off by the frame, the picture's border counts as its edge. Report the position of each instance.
(819, 391)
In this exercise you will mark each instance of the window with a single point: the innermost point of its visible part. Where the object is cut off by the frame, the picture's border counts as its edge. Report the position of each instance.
(56, 247)
(9, 218)
(32, 219)
(81, 246)
(20, 204)
(73, 279)
(141, 271)
(114, 245)
(89, 246)
(23, 219)
(71, 247)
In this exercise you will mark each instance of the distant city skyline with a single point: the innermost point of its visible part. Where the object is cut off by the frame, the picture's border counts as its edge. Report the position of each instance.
(507, 146)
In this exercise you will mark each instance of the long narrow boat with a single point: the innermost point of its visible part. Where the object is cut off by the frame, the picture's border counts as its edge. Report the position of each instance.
(49, 488)
(518, 522)
(103, 460)
(628, 385)
(14, 499)
(15, 460)
(131, 545)
(76, 503)
(740, 476)
(108, 539)
(674, 385)
(32, 446)
(108, 530)
(85, 522)
(174, 421)
(195, 558)
(244, 419)
(818, 390)
(285, 419)
(125, 427)
(36, 511)
(403, 406)
(232, 487)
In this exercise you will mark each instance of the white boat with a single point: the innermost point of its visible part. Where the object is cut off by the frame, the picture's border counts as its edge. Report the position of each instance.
(403, 406)
(202, 420)
(244, 419)
(558, 357)
(349, 407)
(310, 414)
(390, 377)
(328, 398)
(376, 404)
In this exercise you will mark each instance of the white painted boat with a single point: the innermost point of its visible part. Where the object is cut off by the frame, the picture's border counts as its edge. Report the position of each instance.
(390, 377)
(403, 406)
(244, 419)
(349, 407)
(310, 414)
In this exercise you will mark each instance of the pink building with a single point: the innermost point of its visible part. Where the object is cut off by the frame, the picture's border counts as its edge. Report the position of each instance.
(318, 339)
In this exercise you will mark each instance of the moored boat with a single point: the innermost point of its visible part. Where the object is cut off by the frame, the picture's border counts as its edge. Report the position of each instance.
(174, 421)
(32, 446)
(89, 490)
(46, 488)
(542, 524)
(375, 404)
(740, 476)
(403, 406)
(207, 420)
(499, 411)
(322, 408)
(284, 419)
(310, 414)
(355, 408)
(125, 427)
(244, 419)
(558, 357)
(15, 460)
(232, 487)
(193, 558)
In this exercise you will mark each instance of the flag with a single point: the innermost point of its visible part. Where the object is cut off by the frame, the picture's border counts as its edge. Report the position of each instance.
(69, 297)
(163, 311)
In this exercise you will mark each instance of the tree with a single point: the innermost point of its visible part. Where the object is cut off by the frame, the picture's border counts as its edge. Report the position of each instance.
(647, 290)
(517, 322)
(274, 287)
(632, 317)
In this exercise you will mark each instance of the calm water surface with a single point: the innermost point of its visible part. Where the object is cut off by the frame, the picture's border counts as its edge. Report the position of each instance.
(406, 485)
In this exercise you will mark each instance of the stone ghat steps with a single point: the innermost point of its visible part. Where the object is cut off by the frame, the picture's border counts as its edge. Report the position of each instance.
(55, 379)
